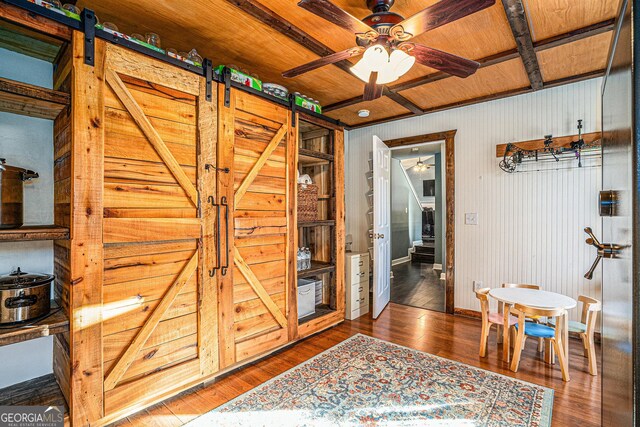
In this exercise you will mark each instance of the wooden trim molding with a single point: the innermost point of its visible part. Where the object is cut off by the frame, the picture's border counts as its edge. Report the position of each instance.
(449, 162)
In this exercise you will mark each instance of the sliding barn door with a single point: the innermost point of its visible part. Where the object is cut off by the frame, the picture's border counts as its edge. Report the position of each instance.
(159, 303)
(256, 170)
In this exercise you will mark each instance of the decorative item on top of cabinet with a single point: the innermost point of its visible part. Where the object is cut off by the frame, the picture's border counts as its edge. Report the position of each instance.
(142, 307)
(257, 309)
(357, 284)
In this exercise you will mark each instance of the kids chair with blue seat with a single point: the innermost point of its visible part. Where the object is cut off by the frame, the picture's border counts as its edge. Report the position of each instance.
(527, 328)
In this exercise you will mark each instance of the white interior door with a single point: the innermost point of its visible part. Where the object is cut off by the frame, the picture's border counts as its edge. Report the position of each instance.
(381, 226)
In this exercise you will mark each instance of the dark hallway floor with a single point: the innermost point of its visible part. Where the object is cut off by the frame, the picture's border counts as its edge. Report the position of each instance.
(417, 285)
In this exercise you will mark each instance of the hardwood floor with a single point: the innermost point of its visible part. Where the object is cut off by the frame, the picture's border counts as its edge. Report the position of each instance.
(417, 285)
(576, 402)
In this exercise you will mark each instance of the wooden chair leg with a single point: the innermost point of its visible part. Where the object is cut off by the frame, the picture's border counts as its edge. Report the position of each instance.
(512, 337)
(499, 327)
(585, 344)
(593, 363)
(540, 345)
(548, 353)
(483, 339)
(564, 368)
(517, 352)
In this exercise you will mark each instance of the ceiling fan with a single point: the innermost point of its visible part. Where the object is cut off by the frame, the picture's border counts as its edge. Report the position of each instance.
(384, 37)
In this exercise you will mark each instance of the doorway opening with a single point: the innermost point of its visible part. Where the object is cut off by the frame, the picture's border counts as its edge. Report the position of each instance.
(418, 213)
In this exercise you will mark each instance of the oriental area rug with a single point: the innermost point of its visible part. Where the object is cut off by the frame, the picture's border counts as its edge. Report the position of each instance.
(364, 381)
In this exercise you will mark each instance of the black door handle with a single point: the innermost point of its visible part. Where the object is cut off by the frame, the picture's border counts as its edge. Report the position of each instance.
(605, 250)
(211, 200)
(225, 267)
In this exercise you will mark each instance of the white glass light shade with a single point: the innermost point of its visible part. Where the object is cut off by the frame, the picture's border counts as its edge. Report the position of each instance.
(401, 62)
(375, 58)
(389, 68)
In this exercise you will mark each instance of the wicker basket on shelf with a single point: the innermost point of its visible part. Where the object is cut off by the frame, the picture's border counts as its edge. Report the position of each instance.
(307, 202)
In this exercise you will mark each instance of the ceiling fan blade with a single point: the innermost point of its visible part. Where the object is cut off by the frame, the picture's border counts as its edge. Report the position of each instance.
(332, 13)
(325, 60)
(372, 90)
(443, 61)
(439, 14)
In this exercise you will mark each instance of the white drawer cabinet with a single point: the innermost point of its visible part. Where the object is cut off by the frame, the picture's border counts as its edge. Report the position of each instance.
(357, 285)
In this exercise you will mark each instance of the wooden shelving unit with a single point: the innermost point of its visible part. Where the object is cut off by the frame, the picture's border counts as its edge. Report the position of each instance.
(313, 158)
(41, 391)
(29, 100)
(317, 267)
(320, 157)
(54, 324)
(35, 232)
(319, 223)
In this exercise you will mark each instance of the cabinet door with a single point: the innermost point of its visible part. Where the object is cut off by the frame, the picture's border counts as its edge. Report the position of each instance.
(159, 303)
(256, 301)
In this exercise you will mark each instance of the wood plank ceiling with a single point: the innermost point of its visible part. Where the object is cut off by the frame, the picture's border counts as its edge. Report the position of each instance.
(522, 45)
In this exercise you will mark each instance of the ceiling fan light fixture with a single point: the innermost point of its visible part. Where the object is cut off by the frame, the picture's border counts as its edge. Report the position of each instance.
(389, 67)
(420, 165)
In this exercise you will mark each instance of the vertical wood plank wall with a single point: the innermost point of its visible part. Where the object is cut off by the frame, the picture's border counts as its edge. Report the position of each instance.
(530, 224)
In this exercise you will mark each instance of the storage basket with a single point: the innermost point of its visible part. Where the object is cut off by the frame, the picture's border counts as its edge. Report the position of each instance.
(306, 299)
(307, 202)
(317, 284)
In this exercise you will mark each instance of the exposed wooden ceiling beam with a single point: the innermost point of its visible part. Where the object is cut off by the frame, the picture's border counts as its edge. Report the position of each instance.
(434, 77)
(575, 35)
(399, 99)
(492, 97)
(278, 23)
(517, 18)
(551, 42)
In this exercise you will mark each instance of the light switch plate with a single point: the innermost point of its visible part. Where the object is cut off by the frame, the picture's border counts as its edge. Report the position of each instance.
(471, 218)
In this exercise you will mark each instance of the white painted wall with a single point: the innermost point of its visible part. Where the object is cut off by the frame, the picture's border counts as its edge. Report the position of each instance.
(530, 224)
(28, 142)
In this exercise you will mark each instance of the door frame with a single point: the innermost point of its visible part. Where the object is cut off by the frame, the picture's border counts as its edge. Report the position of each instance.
(449, 139)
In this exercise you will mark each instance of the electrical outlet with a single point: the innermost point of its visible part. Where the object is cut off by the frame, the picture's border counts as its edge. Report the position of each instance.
(477, 284)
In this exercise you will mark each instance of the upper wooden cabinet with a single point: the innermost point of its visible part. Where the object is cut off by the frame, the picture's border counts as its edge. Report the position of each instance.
(257, 176)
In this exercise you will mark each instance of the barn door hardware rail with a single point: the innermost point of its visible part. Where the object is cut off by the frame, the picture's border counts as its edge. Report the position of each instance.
(89, 27)
(294, 107)
(208, 75)
(566, 148)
